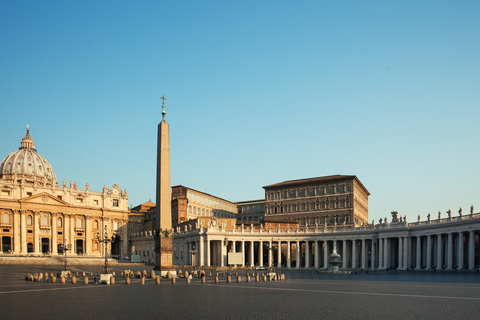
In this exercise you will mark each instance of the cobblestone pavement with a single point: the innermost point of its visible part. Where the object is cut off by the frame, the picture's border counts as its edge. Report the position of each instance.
(303, 295)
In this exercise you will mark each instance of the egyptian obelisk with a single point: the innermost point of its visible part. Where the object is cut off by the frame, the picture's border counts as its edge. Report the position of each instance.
(163, 225)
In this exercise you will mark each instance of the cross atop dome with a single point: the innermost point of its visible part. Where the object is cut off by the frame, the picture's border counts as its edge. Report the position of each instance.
(27, 141)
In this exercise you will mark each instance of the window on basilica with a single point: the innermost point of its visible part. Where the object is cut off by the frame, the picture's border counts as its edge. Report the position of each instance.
(6, 218)
(59, 222)
(29, 220)
(115, 202)
(44, 221)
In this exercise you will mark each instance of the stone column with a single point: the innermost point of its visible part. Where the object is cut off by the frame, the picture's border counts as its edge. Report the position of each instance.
(208, 252)
(72, 237)
(23, 232)
(270, 253)
(460, 251)
(252, 260)
(201, 251)
(418, 259)
(364, 258)
(386, 252)
(279, 254)
(354, 254)
(429, 252)
(260, 253)
(325, 254)
(16, 231)
(406, 252)
(471, 250)
(223, 247)
(400, 253)
(439, 252)
(289, 259)
(307, 255)
(380, 253)
(315, 258)
(373, 254)
(36, 233)
(344, 253)
(298, 257)
(54, 235)
(243, 253)
(450, 251)
(88, 239)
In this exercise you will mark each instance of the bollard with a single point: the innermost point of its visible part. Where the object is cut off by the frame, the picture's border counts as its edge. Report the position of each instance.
(54, 279)
(30, 277)
(127, 280)
(46, 275)
(45, 279)
(173, 280)
(203, 279)
(210, 273)
(85, 280)
(113, 273)
(239, 279)
(62, 279)
(186, 274)
(157, 280)
(248, 278)
(229, 279)
(91, 274)
(143, 280)
(76, 273)
(216, 279)
(51, 275)
(152, 274)
(144, 273)
(74, 280)
(84, 273)
(121, 274)
(188, 280)
(257, 278)
(264, 278)
(112, 280)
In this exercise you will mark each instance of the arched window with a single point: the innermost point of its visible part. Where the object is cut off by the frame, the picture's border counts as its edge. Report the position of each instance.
(44, 221)
(79, 223)
(6, 218)
(59, 222)
(95, 224)
(29, 220)
(115, 225)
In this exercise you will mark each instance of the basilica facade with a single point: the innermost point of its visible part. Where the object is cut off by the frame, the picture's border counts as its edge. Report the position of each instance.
(38, 217)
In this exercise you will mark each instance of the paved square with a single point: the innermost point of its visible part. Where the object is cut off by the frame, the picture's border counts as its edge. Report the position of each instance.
(304, 294)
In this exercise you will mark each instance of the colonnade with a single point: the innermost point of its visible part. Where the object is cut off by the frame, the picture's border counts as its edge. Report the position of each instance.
(420, 246)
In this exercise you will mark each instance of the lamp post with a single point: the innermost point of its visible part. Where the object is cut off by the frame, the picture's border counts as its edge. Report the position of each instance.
(106, 240)
(65, 247)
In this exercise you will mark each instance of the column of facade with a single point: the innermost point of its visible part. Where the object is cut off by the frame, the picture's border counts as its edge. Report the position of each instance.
(354, 254)
(53, 244)
(429, 252)
(23, 232)
(72, 236)
(36, 233)
(380, 253)
(400, 253)
(208, 252)
(386, 253)
(289, 259)
(364, 251)
(252, 261)
(260, 253)
(344, 253)
(325, 254)
(270, 253)
(471, 250)
(223, 248)
(450, 251)
(16, 231)
(439, 252)
(201, 251)
(88, 239)
(373, 254)
(315, 258)
(279, 254)
(307, 255)
(243, 253)
(298, 255)
(418, 259)
(460, 251)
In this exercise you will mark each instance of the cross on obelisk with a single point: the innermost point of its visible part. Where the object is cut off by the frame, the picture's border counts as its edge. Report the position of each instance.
(163, 223)
(163, 107)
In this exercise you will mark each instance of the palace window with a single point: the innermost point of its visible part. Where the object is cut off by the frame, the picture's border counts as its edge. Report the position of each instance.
(337, 189)
(347, 188)
(347, 203)
(326, 205)
(336, 204)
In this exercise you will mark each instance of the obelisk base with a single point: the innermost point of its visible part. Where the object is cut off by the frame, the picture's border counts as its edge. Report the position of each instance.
(163, 257)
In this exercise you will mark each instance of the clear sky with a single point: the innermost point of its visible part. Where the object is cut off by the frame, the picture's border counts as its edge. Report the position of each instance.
(258, 92)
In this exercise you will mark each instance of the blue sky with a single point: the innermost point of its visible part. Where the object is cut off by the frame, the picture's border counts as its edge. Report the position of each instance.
(258, 92)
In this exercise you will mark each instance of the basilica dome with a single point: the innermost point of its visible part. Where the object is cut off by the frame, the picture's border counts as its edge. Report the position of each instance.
(26, 163)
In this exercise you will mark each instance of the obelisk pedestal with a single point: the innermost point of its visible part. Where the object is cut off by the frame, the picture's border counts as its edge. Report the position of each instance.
(163, 225)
